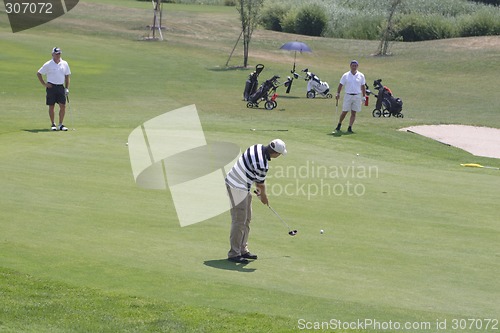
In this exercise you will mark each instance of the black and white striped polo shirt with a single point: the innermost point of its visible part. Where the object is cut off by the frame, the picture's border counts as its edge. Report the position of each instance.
(251, 167)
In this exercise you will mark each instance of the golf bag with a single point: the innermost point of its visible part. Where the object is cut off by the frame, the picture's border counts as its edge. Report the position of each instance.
(252, 83)
(266, 93)
(316, 86)
(387, 105)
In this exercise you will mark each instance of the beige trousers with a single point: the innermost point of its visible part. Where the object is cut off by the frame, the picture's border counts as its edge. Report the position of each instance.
(241, 214)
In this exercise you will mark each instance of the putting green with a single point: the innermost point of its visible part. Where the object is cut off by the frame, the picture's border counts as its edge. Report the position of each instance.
(409, 234)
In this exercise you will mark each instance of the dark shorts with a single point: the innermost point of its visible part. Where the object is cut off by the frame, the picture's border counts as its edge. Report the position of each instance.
(56, 95)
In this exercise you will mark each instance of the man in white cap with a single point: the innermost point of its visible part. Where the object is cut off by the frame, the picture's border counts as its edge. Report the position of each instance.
(355, 93)
(56, 87)
(251, 167)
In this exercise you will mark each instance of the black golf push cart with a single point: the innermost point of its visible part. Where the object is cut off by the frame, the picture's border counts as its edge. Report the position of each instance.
(387, 105)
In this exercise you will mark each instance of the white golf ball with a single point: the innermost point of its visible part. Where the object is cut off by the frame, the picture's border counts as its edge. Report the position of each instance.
(321, 231)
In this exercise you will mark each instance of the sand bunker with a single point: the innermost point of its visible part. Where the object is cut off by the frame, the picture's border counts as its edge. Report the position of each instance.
(479, 141)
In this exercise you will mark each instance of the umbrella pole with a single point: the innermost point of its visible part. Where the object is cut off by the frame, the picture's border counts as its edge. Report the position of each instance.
(294, 58)
(293, 71)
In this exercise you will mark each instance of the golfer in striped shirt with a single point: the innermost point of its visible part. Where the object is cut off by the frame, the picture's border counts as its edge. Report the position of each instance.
(251, 167)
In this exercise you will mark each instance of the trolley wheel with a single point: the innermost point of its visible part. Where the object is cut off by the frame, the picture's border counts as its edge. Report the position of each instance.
(275, 104)
(269, 105)
(311, 94)
(329, 95)
(386, 113)
(400, 115)
(249, 105)
(377, 113)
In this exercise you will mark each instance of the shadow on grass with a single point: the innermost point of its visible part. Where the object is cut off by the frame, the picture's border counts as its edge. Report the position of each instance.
(289, 97)
(230, 68)
(41, 130)
(339, 133)
(335, 134)
(228, 265)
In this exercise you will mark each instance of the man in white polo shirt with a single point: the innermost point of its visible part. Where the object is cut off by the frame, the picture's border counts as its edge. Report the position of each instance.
(57, 86)
(355, 94)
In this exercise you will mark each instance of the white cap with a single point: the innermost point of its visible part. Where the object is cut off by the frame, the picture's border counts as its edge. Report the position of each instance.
(278, 146)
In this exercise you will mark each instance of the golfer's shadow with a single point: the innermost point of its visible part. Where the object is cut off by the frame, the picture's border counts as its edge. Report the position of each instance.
(228, 265)
(336, 134)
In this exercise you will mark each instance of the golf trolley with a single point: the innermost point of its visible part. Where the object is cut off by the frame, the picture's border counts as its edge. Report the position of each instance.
(315, 85)
(266, 93)
(387, 105)
(252, 82)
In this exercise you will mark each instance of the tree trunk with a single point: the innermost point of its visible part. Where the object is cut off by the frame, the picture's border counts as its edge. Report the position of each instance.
(249, 10)
(386, 35)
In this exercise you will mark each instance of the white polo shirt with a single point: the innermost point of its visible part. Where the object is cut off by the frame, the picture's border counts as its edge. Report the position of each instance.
(55, 72)
(353, 83)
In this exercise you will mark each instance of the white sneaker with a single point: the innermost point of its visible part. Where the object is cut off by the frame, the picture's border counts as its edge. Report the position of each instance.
(62, 128)
(53, 127)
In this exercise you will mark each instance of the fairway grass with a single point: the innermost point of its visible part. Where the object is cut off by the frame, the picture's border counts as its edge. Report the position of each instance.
(410, 236)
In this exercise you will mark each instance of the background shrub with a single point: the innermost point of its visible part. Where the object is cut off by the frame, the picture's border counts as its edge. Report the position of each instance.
(413, 28)
(273, 15)
(311, 20)
(288, 23)
(363, 27)
(482, 23)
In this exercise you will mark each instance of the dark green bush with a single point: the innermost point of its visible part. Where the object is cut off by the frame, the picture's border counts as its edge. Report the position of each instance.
(273, 15)
(288, 23)
(311, 20)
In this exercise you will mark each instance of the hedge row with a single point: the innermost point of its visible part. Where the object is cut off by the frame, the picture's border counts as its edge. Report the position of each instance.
(312, 19)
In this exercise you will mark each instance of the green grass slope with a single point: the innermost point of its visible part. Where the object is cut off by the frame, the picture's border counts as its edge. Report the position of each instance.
(410, 236)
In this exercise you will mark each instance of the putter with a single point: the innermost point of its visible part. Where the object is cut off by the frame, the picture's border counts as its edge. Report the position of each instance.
(290, 232)
(70, 113)
(336, 113)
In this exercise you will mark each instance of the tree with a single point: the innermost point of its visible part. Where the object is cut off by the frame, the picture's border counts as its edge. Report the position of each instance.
(249, 15)
(386, 35)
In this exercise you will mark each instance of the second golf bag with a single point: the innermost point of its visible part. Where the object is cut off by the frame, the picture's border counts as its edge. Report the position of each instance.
(387, 105)
(316, 86)
(266, 93)
(252, 83)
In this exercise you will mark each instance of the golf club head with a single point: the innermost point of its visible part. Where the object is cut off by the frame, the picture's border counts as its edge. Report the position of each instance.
(292, 232)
